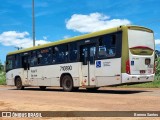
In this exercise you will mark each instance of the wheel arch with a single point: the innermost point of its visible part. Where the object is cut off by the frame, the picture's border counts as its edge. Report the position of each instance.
(62, 75)
(16, 78)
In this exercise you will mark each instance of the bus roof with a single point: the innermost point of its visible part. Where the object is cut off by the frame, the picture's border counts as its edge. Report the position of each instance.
(76, 38)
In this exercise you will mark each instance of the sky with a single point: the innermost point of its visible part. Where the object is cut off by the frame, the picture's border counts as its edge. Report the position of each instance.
(60, 19)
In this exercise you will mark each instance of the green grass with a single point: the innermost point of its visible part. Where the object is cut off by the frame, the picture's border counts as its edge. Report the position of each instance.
(2, 78)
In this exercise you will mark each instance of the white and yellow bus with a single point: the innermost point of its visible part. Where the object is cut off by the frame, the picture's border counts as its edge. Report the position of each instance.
(115, 56)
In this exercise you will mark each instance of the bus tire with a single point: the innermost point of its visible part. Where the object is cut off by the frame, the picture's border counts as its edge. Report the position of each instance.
(42, 87)
(18, 83)
(67, 83)
(92, 89)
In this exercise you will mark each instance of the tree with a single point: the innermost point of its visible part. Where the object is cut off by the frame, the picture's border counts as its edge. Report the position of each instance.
(1, 66)
(158, 66)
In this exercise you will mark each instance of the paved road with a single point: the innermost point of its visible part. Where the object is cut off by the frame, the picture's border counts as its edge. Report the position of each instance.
(54, 99)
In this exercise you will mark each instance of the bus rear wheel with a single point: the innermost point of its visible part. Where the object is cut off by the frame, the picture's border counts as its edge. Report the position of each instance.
(42, 87)
(67, 83)
(18, 84)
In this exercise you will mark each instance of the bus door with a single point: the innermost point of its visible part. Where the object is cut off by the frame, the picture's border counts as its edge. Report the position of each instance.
(25, 66)
(87, 56)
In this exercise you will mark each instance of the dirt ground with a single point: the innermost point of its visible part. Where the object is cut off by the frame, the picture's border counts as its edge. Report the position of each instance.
(105, 99)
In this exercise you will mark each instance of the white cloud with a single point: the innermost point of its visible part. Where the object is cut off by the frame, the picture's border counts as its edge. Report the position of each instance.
(157, 41)
(45, 37)
(18, 39)
(93, 22)
(66, 36)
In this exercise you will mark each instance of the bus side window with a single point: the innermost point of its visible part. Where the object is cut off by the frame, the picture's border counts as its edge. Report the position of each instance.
(73, 52)
(9, 63)
(107, 46)
(33, 61)
(24, 62)
(102, 51)
(44, 56)
(17, 60)
(39, 57)
(92, 55)
(113, 40)
(60, 54)
(112, 51)
(49, 56)
(66, 54)
(84, 55)
(102, 48)
(55, 51)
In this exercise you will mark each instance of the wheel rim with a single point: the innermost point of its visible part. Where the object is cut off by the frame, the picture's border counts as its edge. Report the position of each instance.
(18, 84)
(68, 83)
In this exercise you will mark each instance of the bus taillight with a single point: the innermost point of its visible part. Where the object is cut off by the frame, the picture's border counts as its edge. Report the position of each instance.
(127, 67)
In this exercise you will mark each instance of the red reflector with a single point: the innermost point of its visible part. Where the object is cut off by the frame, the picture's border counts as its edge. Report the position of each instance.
(127, 67)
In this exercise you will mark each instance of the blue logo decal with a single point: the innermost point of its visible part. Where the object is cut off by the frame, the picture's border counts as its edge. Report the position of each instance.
(132, 63)
(98, 64)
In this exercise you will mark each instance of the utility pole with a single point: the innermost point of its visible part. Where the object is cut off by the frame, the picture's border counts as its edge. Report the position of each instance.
(33, 23)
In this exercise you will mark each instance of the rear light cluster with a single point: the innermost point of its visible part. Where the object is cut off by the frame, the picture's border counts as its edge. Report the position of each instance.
(147, 62)
(128, 67)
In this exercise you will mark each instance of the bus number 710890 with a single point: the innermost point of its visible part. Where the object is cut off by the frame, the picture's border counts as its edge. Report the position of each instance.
(65, 68)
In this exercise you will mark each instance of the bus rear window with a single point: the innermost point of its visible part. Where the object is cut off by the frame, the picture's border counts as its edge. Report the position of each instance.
(140, 42)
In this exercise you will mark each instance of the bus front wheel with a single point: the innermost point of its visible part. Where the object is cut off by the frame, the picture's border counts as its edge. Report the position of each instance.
(67, 83)
(18, 84)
